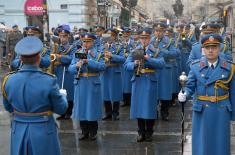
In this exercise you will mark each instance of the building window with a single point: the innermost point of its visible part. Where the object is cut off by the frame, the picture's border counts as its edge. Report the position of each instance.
(64, 6)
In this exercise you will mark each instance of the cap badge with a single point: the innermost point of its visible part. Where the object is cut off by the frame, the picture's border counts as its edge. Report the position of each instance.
(211, 38)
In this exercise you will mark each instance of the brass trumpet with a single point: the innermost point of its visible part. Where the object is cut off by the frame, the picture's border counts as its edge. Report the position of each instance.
(183, 36)
(53, 57)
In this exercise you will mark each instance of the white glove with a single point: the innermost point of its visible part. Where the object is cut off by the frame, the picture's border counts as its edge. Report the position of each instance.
(182, 96)
(63, 92)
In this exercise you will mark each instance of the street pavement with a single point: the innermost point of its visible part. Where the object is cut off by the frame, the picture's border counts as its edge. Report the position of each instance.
(117, 138)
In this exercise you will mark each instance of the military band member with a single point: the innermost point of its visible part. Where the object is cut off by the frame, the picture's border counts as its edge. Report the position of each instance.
(134, 42)
(88, 101)
(197, 51)
(99, 30)
(145, 85)
(212, 82)
(174, 61)
(185, 46)
(45, 53)
(190, 34)
(62, 61)
(33, 128)
(163, 44)
(126, 75)
(112, 78)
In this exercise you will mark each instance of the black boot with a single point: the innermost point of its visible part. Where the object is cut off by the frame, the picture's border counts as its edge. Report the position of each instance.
(116, 106)
(108, 110)
(174, 98)
(140, 138)
(85, 130)
(93, 127)
(149, 130)
(69, 110)
(141, 130)
(126, 100)
(165, 110)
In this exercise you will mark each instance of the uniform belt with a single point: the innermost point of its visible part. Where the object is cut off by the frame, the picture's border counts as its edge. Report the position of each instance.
(213, 98)
(48, 113)
(147, 71)
(112, 65)
(89, 74)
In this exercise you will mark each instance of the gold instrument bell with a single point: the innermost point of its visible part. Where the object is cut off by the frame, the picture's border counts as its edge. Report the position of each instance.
(52, 57)
(183, 36)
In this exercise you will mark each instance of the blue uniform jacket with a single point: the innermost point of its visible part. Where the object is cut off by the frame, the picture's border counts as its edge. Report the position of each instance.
(196, 53)
(112, 78)
(32, 91)
(145, 88)
(45, 60)
(67, 55)
(211, 120)
(127, 75)
(169, 54)
(88, 101)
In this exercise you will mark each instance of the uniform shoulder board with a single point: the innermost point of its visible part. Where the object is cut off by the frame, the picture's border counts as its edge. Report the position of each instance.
(195, 62)
(6, 77)
(229, 61)
(195, 43)
(52, 75)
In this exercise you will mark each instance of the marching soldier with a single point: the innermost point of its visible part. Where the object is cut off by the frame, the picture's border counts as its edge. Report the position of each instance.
(126, 75)
(185, 46)
(112, 78)
(212, 81)
(33, 128)
(190, 34)
(88, 101)
(163, 44)
(197, 51)
(99, 30)
(144, 84)
(45, 53)
(174, 62)
(134, 42)
(61, 63)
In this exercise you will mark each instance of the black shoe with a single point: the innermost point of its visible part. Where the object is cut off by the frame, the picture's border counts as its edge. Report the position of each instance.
(140, 138)
(165, 118)
(107, 117)
(93, 136)
(124, 104)
(84, 136)
(148, 137)
(115, 117)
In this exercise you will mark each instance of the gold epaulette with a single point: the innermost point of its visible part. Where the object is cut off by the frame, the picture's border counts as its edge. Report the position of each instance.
(6, 77)
(44, 50)
(99, 56)
(195, 43)
(169, 44)
(194, 62)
